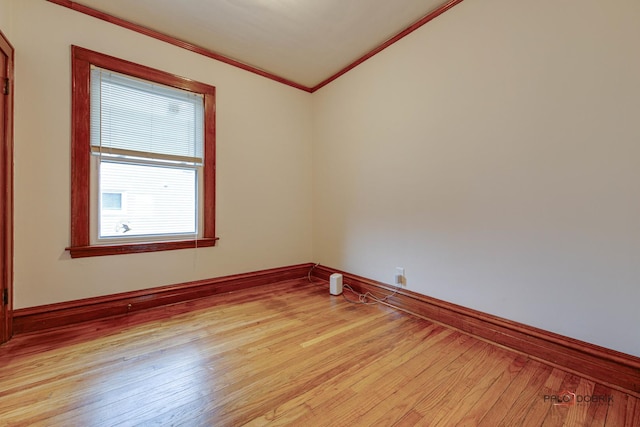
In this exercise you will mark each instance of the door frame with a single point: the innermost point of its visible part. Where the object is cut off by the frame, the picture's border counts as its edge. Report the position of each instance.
(6, 195)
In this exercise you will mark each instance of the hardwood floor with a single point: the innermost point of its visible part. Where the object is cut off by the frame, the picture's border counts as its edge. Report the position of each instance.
(286, 354)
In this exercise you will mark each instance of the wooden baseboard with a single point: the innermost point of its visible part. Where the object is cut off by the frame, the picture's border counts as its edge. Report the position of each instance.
(49, 316)
(609, 367)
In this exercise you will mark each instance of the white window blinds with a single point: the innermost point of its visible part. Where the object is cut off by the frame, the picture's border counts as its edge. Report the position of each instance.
(135, 118)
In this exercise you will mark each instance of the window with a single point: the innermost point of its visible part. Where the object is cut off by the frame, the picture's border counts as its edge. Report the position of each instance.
(111, 202)
(143, 158)
(147, 140)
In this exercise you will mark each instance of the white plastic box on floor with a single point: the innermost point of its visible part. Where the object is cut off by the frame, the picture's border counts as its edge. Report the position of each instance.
(335, 284)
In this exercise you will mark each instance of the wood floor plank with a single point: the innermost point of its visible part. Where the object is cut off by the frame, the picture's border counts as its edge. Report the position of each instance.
(283, 354)
(617, 412)
(411, 418)
(470, 390)
(579, 410)
(557, 414)
(383, 368)
(383, 358)
(531, 406)
(397, 393)
(402, 348)
(519, 395)
(285, 376)
(634, 420)
(597, 413)
(493, 393)
(426, 391)
(541, 406)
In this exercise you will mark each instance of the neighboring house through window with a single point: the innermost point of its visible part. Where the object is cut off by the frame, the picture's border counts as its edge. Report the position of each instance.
(143, 158)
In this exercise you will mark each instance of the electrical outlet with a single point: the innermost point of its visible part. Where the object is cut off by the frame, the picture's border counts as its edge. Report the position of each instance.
(400, 279)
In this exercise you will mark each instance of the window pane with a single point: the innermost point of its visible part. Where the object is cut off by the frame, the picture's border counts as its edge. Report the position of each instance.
(132, 114)
(112, 201)
(153, 200)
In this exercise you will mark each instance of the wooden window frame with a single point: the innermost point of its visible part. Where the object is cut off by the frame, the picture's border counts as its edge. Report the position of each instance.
(81, 61)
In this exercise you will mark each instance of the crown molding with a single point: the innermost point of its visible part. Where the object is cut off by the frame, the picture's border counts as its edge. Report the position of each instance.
(235, 63)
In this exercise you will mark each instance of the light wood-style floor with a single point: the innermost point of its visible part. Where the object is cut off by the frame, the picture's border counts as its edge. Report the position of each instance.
(285, 354)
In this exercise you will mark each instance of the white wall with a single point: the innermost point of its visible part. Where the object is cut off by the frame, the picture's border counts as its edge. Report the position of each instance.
(263, 164)
(6, 22)
(495, 154)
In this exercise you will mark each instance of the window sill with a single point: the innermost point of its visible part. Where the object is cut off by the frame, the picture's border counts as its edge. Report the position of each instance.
(133, 248)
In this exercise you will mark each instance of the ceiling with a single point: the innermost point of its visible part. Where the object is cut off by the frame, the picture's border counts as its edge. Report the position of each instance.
(305, 42)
